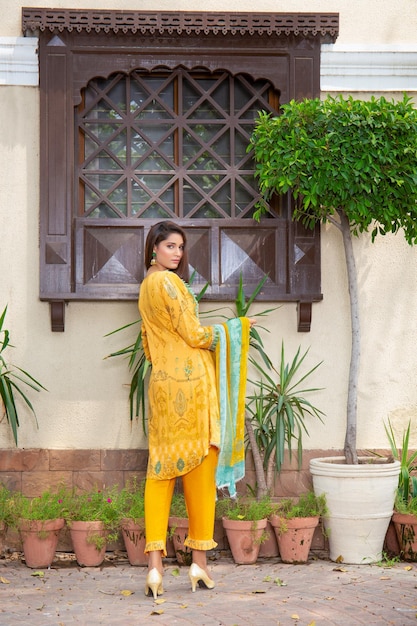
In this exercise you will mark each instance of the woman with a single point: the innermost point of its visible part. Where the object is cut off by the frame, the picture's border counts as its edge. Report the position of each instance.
(185, 428)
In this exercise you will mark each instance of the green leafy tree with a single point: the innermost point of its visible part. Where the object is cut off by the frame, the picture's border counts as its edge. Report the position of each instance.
(349, 162)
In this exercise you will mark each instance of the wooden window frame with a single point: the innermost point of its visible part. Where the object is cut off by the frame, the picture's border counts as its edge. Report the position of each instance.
(76, 45)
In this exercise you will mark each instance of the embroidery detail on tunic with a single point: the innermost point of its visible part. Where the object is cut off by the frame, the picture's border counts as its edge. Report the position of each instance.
(188, 367)
(180, 464)
(180, 403)
(158, 467)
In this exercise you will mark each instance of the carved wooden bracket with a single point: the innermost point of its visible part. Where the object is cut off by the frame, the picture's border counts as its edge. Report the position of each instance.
(57, 316)
(304, 312)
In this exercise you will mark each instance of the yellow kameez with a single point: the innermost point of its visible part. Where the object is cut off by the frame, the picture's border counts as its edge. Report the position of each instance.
(183, 405)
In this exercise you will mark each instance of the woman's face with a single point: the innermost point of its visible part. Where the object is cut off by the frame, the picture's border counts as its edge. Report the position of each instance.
(169, 252)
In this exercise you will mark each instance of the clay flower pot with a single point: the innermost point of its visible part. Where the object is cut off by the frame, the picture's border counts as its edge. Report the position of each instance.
(134, 539)
(39, 540)
(244, 537)
(178, 531)
(406, 528)
(89, 541)
(294, 537)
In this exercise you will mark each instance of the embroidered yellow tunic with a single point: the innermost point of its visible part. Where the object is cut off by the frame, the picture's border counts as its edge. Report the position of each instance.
(183, 406)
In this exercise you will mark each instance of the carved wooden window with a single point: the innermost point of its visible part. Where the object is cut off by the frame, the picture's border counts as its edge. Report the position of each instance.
(146, 116)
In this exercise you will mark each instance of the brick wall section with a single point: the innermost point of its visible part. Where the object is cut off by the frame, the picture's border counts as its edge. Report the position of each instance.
(35, 471)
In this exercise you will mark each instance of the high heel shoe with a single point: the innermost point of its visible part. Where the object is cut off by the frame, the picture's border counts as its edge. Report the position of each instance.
(154, 583)
(198, 575)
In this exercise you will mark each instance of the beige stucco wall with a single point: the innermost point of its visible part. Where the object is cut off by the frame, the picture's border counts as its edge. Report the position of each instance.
(87, 403)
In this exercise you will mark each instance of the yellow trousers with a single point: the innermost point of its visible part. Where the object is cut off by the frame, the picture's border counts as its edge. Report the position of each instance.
(200, 498)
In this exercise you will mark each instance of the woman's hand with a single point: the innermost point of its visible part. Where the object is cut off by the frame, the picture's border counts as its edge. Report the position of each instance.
(252, 321)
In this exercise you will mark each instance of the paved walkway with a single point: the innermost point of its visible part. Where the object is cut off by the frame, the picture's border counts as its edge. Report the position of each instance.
(266, 594)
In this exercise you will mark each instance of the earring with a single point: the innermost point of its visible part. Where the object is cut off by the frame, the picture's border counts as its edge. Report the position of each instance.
(153, 259)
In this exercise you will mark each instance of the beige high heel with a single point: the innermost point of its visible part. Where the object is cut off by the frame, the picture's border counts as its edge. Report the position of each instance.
(198, 575)
(154, 583)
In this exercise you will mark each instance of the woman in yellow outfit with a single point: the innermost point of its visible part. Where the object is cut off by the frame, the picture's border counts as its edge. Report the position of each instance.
(185, 423)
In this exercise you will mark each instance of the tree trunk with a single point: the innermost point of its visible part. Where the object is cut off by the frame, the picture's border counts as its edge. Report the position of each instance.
(261, 486)
(351, 418)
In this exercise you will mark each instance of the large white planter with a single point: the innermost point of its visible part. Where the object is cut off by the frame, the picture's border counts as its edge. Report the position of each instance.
(360, 499)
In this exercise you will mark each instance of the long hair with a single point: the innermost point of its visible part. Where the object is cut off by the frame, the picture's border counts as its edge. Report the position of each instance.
(160, 232)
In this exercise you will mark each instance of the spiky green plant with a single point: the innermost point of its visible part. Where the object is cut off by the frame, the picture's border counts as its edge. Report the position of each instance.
(407, 484)
(10, 379)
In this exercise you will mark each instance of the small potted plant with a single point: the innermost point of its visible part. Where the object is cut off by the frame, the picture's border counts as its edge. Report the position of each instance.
(39, 521)
(131, 504)
(5, 514)
(294, 523)
(405, 514)
(178, 528)
(245, 521)
(93, 519)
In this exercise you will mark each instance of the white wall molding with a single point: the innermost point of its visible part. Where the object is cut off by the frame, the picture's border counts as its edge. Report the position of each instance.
(19, 61)
(378, 68)
(344, 68)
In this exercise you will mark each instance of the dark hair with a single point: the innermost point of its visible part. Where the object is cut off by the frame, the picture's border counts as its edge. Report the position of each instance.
(160, 232)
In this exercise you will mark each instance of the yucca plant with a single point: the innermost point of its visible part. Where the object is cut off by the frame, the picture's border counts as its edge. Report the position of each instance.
(10, 379)
(407, 484)
(276, 416)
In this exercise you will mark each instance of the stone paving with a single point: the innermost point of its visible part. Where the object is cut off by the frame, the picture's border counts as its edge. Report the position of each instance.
(268, 593)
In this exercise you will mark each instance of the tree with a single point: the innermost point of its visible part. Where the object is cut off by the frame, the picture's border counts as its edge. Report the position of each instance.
(349, 162)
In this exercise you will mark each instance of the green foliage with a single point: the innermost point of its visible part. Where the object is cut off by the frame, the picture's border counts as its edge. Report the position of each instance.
(308, 505)
(246, 509)
(131, 501)
(9, 382)
(407, 484)
(178, 506)
(278, 409)
(6, 505)
(47, 506)
(355, 155)
(96, 505)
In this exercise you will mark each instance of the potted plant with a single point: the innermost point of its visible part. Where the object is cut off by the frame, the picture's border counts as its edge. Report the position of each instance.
(244, 521)
(93, 519)
(131, 504)
(294, 523)
(39, 521)
(276, 414)
(405, 515)
(5, 514)
(350, 163)
(178, 528)
(10, 379)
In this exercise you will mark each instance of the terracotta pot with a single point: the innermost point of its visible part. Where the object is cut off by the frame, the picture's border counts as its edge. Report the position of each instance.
(87, 542)
(294, 537)
(178, 531)
(3, 531)
(39, 540)
(269, 547)
(406, 529)
(135, 541)
(244, 539)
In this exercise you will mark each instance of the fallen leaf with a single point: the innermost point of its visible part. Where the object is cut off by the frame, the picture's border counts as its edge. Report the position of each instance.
(4, 581)
(184, 606)
(280, 582)
(313, 623)
(175, 572)
(408, 567)
(160, 601)
(295, 616)
(266, 579)
(158, 612)
(330, 598)
(340, 559)
(340, 569)
(126, 592)
(39, 574)
(258, 591)
(385, 578)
